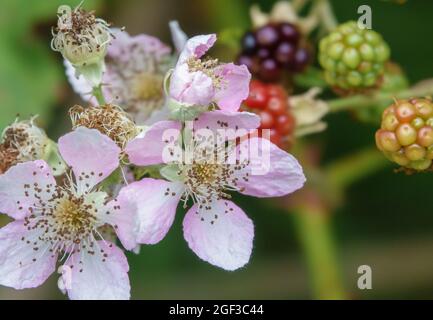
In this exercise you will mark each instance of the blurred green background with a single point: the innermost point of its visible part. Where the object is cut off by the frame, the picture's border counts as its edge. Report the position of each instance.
(386, 220)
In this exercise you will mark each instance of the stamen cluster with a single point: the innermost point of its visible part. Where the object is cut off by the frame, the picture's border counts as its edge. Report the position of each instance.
(80, 36)
(108, 119)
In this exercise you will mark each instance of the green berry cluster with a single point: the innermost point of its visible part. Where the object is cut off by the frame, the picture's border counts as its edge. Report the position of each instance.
(353, 58)
(406, 133)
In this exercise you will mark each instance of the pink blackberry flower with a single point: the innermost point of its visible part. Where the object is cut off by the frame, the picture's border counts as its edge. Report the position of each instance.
(133, 78)
(64, 222)
(216, 229)
(199, 81)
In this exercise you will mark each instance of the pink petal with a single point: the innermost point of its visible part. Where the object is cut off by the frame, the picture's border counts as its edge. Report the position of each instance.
(98, 276)
(17, 187)
(235, 86)
(194, 88)
(196, 47)
(272, 172)
(223, 120)
(92, 155)
(154, 203)
(122, 216)
(124, 45)
(148, 149)
(20, 265)
(178, 36)
(222, 236)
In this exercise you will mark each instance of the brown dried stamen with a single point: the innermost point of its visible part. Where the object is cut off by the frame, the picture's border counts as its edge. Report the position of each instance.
(107, 119)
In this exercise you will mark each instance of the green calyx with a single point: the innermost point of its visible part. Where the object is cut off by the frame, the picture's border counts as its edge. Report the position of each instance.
(353, 58)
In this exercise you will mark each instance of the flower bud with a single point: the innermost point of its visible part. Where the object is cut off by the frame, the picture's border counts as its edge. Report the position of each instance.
(309, 111)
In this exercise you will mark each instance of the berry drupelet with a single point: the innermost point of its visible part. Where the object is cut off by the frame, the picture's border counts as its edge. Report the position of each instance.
(273, 48)
(353, 58)
(406, 133)
(270, 102)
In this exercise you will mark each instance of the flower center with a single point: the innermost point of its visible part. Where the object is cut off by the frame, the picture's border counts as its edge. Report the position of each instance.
(211, 175)
(73, 218)
(148, 86)
(207, 66)
(67, 222)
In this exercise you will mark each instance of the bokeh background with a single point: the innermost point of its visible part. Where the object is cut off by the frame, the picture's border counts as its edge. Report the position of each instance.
(384, 220)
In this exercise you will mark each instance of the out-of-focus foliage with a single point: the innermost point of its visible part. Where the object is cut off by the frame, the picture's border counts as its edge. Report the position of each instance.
(30, 75)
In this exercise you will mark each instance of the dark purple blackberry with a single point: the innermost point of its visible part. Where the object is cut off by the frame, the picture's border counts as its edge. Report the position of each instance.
(269, 70)
(289, 32)
(273, 48)
(267, 36)
(285, 52)
(251, 62)
(249, 43)
(263, 53)
(301, 60)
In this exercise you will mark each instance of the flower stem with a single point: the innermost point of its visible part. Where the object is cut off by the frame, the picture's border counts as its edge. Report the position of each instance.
(343, 172)
(379, 98)
(314, 232)
(97, 93)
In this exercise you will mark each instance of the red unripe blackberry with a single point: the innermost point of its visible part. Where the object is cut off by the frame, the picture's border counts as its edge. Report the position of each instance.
(406, 133)
(270, 102)
(273, 48)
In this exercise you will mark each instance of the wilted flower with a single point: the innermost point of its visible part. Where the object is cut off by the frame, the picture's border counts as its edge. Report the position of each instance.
(22, 141)
(82, 39)
(63, 222)
(108, 119)
(196, 81)
(309, 111)
(215, 228)
(135, 70)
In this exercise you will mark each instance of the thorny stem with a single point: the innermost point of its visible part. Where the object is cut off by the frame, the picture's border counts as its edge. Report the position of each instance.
(97, 93)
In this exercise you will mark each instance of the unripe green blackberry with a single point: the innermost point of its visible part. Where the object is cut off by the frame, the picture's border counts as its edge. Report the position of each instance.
(406, 133)
(353, 58)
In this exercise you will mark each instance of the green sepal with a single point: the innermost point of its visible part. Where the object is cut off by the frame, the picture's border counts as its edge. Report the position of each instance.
(171, 172)
(184, 112)
(92, 72)
(54, 159)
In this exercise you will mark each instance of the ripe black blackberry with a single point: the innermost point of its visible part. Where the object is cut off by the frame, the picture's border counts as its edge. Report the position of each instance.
(273, 48)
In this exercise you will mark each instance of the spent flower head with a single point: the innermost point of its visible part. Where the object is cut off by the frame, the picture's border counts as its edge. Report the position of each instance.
(108, 119)
(21, 141)
(135, 70)
(83, 40)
